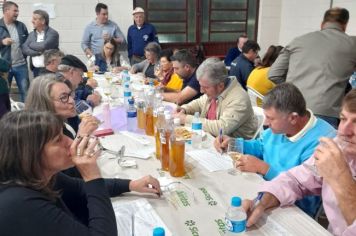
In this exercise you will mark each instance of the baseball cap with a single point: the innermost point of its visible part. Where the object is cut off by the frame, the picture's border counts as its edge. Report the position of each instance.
(138, 10)
(73, 61)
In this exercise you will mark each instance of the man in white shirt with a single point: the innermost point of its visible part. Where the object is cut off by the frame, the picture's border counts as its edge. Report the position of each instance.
(40, 39)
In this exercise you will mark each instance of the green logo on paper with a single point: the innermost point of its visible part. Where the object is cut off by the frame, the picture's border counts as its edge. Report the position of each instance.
(221, 226)
(192, 227)
(183, 198)
(208, 197)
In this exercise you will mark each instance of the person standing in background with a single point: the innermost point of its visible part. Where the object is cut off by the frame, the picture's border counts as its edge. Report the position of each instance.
(40, 39)
(139, 35)
(320, 64)
(13, 34)
(99, 30)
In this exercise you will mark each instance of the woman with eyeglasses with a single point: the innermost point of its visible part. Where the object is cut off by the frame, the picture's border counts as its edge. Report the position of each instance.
(52, 93)
(37, 199)
(110, 59)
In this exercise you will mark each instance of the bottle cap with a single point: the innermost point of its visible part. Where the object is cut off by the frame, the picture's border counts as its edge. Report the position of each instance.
(158, 231)
(176, 121)
(167, 116)
(196, 114)
(236, 201)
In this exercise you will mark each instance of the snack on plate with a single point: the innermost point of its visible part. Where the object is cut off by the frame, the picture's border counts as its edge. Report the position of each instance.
(183, 133)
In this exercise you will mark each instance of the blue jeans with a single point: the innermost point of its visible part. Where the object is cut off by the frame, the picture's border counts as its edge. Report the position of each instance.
(22, 80)
(333, 121)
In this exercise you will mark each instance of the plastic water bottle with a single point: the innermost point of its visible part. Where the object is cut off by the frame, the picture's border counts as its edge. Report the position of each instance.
(125, 77)
(131, 116)
(197, 129)
(158, 231)
(235, 218)
(353, 80)
(127, 94)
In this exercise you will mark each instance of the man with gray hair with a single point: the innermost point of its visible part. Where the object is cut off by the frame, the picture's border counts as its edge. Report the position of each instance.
(291, 138)
(52, 58)
(224, 105)
(40, 39)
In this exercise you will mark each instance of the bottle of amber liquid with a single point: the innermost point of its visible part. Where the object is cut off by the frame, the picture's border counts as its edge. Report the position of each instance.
(149, 129)
(165, 136)
(159, 129)
(141, 116)
(176, 153)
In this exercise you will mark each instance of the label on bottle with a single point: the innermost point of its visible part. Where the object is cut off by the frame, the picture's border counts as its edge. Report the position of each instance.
(237, 226)
(163, 138)
(197, 126)
(127, 94)
(131, 114)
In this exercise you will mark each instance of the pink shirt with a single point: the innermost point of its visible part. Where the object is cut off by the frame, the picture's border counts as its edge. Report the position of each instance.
(299, 181)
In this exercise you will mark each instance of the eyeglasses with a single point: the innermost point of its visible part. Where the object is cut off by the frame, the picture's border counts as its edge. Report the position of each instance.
(64, 98)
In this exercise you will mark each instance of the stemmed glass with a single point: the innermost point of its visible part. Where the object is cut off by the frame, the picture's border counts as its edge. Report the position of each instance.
(107, 89)
(332, 134)
(235, 150)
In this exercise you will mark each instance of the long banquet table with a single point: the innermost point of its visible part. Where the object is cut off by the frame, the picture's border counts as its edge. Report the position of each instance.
(201, 210)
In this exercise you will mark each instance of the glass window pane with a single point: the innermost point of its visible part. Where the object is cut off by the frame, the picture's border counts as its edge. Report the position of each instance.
(223, 37)
(171, 38)
(170, 27)
(227, 26)
(167, 16)
(228, 4)
(228, 15)
(140, 3)
(167, 4)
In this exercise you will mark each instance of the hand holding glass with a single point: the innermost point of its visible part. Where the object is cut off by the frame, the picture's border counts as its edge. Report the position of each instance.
(235, 151)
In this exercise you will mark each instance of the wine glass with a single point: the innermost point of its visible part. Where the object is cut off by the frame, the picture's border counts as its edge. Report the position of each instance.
(332, 134)
(107, 89)
(235, 151)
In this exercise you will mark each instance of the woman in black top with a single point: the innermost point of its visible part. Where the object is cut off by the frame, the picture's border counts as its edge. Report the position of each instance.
(36, 199)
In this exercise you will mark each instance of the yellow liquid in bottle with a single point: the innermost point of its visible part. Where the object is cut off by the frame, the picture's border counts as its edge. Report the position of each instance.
(141, 119)
(149, 122)
(176, 158)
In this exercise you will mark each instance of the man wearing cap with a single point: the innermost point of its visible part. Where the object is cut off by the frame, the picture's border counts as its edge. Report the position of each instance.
(72, 68)
(139, 35)
(99, 30)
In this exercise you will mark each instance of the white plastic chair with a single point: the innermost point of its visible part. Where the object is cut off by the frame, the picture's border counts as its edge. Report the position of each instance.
(16, 106)
(260, 116)
(253, 94)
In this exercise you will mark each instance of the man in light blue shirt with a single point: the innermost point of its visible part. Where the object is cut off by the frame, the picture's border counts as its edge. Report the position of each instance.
(292, 136)
(99, 30)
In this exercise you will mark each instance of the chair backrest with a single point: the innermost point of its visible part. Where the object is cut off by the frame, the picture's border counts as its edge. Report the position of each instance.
(260, 116)
(16, 106)
(253, 94)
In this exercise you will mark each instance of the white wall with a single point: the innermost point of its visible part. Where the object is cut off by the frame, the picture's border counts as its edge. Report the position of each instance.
(73, 15)
(279, 20)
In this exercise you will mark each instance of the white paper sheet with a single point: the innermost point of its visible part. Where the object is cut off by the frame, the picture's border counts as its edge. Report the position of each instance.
(211, 159)
(141, 212)
(142, 139)
(132, 147)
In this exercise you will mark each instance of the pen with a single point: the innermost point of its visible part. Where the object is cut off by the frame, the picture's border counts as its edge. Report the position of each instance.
(221, 137)
(257, 200)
